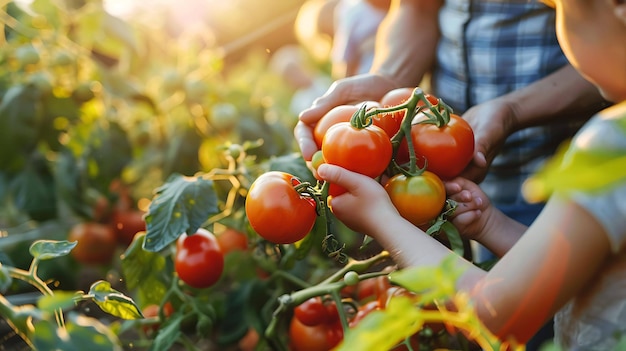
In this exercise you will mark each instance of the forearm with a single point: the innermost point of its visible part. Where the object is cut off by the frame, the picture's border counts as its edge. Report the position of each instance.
(501, 232)
(562, 95)
(406, 41)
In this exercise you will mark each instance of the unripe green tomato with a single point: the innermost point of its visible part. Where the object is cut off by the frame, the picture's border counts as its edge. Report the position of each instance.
(172, 81)
(224, 116)
(317, 159)
(83, 92)
(27, 55)
(63, 58)
(351, 278)
(42, 81)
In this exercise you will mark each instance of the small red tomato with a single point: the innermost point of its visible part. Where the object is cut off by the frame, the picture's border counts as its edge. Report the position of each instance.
(232, 240)
(96, 243)
(127, 224)
(151, 311)
(312, 312)
(198, 261)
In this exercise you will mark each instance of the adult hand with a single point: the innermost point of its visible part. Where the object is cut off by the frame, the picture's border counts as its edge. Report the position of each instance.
(492, 123)
(365, 87)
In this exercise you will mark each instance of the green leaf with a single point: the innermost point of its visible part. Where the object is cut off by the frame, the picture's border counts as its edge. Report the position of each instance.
(80, 333)
(60, 300)
(401, 319)
(144, 270)
(431, 283)
(293, 164)
(33, 189)
(107, 154)
(454, 238)
(168, 334)
(20, 115)
(113, 301)
(576, 170)
(48, 249)
(5, 278)
(181, 205)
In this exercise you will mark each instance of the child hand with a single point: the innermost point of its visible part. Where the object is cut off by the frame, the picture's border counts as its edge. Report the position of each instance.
(470, 216)
(365, 206)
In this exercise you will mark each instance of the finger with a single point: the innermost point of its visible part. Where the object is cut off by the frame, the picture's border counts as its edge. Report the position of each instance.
(304, 137)
(339, 176)
(452, 187)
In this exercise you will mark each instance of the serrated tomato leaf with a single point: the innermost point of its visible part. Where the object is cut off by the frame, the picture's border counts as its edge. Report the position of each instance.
(182, 204)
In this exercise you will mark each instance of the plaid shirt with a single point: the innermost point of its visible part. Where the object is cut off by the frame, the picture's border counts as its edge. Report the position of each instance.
(487, 49)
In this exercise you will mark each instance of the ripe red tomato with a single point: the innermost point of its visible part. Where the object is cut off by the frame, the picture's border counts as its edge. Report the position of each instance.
(448, 149)
(363, 311)
(96, 243)
(312, 312)
(399, 96)
(373, 288)
(276, 211)
(151, 311)
(419, 199)
(232, 240)
(396, 97)
(198, 261)
(308, 338)
(127, 224)
(341, 113)
(363, 150)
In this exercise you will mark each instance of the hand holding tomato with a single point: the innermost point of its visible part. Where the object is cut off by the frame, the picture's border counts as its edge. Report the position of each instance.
(364, 206)
(350, 90)
(473, 209)
(492, 122)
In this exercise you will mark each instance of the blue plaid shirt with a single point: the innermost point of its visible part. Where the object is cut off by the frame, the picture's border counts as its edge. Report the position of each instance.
(487, 49)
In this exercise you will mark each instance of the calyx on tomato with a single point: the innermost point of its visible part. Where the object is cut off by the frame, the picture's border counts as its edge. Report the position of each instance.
(444, 140)
(358, 145)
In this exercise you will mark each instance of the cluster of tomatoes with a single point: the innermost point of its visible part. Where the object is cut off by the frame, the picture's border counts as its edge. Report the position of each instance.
(316, 325)
(443, 144)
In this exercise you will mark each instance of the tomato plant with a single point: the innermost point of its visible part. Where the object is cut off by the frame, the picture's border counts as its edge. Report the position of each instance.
(198, 261)
(363, 150)
(418, 198)
(447, 148)
(277, 211)
(96, 242)
(152, 311)
(232, 240)
(127, 224)
(342, 113)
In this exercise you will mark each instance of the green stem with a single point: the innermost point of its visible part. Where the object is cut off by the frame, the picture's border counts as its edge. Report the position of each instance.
(31, 278)
(357, 266)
